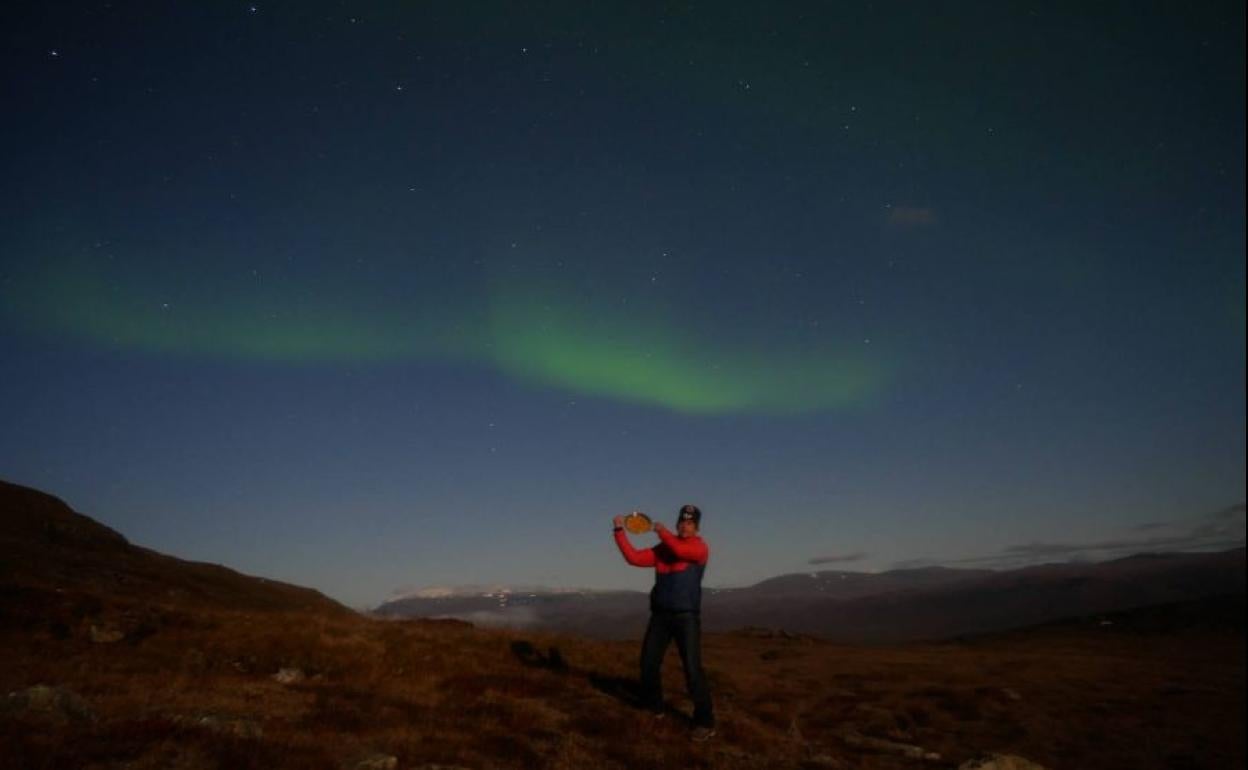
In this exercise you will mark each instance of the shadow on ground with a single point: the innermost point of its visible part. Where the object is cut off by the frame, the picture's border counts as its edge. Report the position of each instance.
(623, 689)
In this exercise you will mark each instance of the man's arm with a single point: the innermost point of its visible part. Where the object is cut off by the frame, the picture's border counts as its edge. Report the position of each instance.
(632, 555)
(685, 550)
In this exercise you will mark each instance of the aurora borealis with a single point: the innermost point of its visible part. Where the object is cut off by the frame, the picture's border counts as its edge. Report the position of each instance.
(351, 294)
(536, 334)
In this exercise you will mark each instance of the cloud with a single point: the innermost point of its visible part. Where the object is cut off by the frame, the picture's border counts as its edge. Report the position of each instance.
(838, 558)
(507, 617)
(1047, 550)
(1218, 531)
(911, 216)
(1231, 512)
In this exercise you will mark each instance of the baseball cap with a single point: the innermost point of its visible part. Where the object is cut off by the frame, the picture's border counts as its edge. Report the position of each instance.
(690, 512)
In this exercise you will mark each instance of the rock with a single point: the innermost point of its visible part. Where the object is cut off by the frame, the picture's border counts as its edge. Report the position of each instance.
(235, 726)
(49, 702)
(855, 738)
(106, 634)
(288, 676)
(376, 762)
(999, 762)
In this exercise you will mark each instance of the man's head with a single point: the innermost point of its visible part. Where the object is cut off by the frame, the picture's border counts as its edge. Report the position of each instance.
(688, 520)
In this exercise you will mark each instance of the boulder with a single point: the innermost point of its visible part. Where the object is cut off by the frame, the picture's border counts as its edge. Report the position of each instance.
(239, 727)
(376, 762)
(54, 703)
(999, 762)
(854, 738)
(106, 634)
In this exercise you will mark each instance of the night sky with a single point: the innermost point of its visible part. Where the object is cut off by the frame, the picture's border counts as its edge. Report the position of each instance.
(372, 295)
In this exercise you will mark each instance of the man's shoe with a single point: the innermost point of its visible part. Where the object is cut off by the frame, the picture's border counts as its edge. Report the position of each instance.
(701, 734)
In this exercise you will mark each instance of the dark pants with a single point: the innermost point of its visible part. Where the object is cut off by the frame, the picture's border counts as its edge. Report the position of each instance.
(686, 629)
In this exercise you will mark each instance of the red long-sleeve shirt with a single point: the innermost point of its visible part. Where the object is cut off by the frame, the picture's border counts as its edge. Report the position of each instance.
(672, 554)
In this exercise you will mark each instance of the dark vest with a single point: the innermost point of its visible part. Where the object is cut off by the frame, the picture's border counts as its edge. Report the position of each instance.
(678, 591)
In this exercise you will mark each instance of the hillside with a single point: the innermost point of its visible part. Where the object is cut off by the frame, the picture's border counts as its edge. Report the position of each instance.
(236, 672)
(47, 550)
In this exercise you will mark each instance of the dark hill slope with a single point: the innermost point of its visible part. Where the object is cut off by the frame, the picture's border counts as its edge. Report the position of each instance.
(48, 548)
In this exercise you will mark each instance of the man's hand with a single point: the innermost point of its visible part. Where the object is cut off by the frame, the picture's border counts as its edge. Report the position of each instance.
(659, 526)
(618, 521)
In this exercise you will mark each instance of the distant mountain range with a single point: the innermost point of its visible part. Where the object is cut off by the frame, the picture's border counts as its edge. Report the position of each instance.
(899, 605)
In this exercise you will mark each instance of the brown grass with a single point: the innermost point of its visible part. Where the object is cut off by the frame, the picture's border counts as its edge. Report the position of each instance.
(194, 689)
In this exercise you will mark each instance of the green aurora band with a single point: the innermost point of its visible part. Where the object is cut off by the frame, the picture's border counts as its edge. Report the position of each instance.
(654, 362)
(538, 336)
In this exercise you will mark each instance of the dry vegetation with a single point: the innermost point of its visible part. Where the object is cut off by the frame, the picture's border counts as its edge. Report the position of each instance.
(118, 657)
(193, 688)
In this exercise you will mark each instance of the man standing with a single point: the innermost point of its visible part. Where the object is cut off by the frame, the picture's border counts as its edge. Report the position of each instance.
(675, 612)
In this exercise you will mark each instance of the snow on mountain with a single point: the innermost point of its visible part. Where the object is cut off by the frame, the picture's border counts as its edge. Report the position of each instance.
(483, 591)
